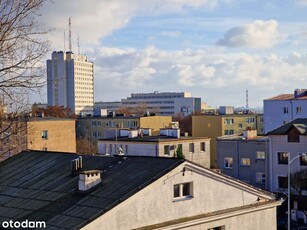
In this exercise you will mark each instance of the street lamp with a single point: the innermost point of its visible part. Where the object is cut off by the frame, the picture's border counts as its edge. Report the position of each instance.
(289, 187)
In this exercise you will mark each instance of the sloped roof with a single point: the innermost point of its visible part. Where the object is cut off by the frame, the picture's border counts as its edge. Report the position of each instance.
(285, 97)
(300, 124)
(39, 186)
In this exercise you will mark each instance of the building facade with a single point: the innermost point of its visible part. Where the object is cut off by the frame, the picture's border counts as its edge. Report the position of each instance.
(95, 128)
(107, 106)
(167, 104)
(70, 82)
(284, 108)
(168, 144)
(51, 134)
(245, 157)
(214, 126)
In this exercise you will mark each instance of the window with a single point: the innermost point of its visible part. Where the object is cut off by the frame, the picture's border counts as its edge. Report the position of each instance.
(245, 161)
(282, 182)
(282, 158)
(228, 121)
(286, 110)
(260, 178)
(45, 149)
(250, 120)
(298, 110)
(229, 132)
(228, 162)
(166, 150)
(260, 155)
(218, 228)
(191, 147)
(202, 146)
(240, 126)
(303, 160)
(184, 190)
(93, 123)
(45, 134)
(294, 135)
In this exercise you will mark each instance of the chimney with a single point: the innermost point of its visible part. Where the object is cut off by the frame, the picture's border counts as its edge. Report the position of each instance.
(88, 180)
(249, 134)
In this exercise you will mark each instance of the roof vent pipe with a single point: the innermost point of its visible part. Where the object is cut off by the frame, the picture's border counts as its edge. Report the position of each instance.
(76, 165)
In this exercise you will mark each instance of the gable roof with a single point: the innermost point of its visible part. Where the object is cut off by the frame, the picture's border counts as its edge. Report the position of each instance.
(300, 124)
(39, 186)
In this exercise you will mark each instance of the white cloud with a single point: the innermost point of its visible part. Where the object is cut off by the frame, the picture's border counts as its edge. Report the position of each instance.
(301, 2)
(258, 34)
(203, 73)
(96, 19)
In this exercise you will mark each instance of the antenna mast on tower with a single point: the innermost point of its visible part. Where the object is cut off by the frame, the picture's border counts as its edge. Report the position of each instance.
(246, 99)
(78, 43)
(69, 35)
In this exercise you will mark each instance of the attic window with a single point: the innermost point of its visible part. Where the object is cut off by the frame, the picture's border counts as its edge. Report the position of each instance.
(183, 191)
(293, 135)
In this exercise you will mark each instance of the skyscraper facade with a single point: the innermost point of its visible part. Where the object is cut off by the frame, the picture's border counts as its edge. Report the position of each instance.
(70, 80)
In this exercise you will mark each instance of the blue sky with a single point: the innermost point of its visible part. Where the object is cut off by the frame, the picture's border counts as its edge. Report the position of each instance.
(215, 49)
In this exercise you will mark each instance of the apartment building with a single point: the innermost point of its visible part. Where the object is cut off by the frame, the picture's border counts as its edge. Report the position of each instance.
(165, 103)
(111, 106)
(287, 142)
(51, 134)
(245, 157)
(95, 128)
(284, 108)
(214, 126)
(70, 82)
(68, 191)
(168, 143)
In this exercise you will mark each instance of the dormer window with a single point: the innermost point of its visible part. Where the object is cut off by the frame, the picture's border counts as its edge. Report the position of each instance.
(293, 135)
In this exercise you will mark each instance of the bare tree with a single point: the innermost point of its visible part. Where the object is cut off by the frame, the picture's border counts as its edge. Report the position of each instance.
(86, 147)
(23, 44)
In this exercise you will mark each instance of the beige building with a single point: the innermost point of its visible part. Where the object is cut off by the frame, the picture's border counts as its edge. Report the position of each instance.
(168, 144)
(95, 128)
(51, 134)
(214, 126)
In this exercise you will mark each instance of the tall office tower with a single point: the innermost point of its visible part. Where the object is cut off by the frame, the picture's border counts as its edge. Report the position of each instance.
(70, 80)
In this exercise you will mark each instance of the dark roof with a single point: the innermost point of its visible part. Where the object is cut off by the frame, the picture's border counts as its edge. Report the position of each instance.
(39, 186)
(154, 139)
(300, 124)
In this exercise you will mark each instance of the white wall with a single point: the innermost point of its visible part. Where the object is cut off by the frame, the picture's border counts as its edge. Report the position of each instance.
(211, 192)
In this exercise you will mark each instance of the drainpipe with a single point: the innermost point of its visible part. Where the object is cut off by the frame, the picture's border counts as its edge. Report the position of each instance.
(291, 110)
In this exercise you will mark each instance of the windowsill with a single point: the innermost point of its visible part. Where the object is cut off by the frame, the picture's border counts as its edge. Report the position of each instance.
(182, 198)
(228, 168)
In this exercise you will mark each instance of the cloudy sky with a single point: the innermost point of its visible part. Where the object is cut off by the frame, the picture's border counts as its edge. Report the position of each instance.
(214, 49)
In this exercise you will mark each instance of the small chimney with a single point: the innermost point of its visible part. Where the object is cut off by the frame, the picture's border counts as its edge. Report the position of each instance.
(249, 134)
(88, 180)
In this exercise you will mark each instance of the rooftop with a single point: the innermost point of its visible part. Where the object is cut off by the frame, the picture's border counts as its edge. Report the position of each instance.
(300, 124)
(39, 186)
(155, 139)
(240, 137)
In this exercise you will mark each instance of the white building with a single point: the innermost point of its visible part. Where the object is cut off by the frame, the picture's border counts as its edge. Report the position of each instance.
(70, 80)
(284, 108)
(165, 103)
(168, 144)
